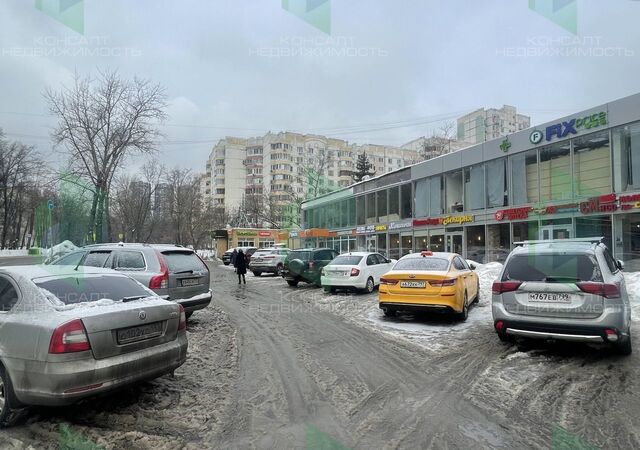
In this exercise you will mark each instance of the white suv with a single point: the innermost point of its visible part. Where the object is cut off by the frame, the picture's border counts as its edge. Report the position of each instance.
(268, 260)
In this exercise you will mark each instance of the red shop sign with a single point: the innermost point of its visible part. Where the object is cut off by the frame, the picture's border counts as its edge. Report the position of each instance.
(513, 214)
(264, 234)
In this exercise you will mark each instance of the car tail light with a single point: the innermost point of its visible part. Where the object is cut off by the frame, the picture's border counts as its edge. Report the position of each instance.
(499, 325)
(355, 272)
(500, 287)
(160, 281)
(388, 281)
(611, 335)
(443, 283)
(607, 290)
(183, 319)
(70, 337)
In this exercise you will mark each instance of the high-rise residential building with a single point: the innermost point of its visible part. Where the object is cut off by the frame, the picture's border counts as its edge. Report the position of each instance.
(290, 166)
(486, 124)
(430, 147)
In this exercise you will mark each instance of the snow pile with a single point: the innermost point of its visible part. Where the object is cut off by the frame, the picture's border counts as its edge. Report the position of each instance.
(207, 254)
(59, 250)
(13, 252)
(632, 280)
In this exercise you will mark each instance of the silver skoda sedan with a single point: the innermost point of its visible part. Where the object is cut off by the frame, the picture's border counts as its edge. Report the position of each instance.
(68, 332)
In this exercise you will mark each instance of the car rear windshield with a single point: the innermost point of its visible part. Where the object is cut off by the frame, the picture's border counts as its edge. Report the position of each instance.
(90, 288)
(347, 260)
(424, 263)
(552, 268)
(180, 261)
(303, 255)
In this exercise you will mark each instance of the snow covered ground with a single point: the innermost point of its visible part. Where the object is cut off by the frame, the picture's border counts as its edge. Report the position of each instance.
(13, 252)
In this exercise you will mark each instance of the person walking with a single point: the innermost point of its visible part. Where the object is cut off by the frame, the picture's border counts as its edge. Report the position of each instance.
(241, 267)
(234, 255)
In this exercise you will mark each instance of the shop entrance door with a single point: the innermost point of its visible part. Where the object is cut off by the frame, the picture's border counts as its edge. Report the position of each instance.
(454, 243)
(555, 232)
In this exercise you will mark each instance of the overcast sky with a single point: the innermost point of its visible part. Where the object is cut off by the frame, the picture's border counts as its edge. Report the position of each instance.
(387, 73)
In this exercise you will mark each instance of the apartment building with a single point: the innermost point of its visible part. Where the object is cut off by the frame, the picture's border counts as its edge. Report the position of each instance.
(484, 125)
(431, 147)
(290, 166)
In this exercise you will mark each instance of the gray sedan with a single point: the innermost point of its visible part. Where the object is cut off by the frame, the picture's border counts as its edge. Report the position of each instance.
(67, 333)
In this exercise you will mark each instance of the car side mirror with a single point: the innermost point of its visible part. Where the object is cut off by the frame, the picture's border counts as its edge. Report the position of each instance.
(472, 266)
(620, 265)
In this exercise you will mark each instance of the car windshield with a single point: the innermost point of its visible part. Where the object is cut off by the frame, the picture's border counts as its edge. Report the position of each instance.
(179, 261)
(552, 268)
(422, 263)
(90, 288)
(299, 254)
(346, 260)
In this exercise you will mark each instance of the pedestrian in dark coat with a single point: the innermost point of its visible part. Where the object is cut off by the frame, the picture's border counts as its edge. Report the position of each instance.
(234, 255)
(241, 267)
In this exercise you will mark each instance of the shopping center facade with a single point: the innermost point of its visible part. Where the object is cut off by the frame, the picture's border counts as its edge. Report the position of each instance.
(578, 176)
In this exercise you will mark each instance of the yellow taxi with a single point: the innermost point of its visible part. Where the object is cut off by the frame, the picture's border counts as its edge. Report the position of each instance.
(429, 282)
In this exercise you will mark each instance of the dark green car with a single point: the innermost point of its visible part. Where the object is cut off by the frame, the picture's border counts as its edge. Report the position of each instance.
(305, 265)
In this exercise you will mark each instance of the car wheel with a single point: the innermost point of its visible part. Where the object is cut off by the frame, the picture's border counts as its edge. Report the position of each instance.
(257, 273)
(370, 286)
(292, 283)
(188, 314)
(279, 269)
(624, 346)
(506, 338)
(8, 401)
(330, 289)
(225, 263)
(465, 309)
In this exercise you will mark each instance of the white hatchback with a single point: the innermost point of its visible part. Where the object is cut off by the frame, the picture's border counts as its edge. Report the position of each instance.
(355, 270)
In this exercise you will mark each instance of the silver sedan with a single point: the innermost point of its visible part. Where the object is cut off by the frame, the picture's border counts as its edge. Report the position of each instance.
(67, 333)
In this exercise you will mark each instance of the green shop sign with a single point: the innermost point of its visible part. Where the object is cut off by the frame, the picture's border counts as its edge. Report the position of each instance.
(573, 126)
(246, 233)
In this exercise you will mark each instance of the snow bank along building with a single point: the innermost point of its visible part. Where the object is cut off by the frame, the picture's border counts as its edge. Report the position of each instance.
(577, 176)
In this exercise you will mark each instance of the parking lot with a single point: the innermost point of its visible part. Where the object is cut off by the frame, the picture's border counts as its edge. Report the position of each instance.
(277, 367)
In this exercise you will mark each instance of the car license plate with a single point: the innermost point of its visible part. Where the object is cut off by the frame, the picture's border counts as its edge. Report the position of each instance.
(257, 259)
(135, 334)
(188, 282)
(412, 284)
(549, 297)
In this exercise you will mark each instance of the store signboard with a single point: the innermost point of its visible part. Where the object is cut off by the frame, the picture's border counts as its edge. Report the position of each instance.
(344, 233)
(365, 229)
(264, 234)
(444, 221)
(572, 126)
(381, 228)
(401, 225)
(603, 204)
(246, 233)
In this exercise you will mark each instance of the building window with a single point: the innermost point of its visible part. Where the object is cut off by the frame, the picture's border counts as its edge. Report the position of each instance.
(524, 178)
(360, 210)
(436, 191)
(498, 242)
(406, 201)
(421, 200)
(266, 243)
(525, 231)
(592, 165)
(476, 243)
(497, 183)
(394, 204)
(474, 187)
(453, 191)
(555, 172)
(246, 243)
(371, 207)
(626, 154)
(381, 200)
(628, 240)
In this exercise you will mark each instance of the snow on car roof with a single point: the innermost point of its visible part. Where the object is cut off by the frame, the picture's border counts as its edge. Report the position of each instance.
(444, 255)
(42, 271)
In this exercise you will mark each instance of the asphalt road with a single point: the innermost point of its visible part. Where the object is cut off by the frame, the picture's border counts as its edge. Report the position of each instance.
(277, 367)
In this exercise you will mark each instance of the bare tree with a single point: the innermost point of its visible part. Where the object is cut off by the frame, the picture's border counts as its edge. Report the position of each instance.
(101, 121)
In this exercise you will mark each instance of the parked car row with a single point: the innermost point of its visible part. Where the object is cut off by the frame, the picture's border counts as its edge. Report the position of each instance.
(571, 290)
(96, 319)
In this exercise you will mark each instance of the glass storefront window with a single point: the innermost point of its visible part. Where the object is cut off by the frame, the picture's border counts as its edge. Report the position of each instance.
(436, 190)
(421, 200)
(497, 194)
(592, 165)
(407, 244)
(556, 229)
(498, 242)
(476, 243)
(371, 207)
(524, 178)
(381, 200)
(420, 241)
(474, 187)
(626, 157)
(360, 210)
(394, 204)
(382, 243)
(361, 243)
(595, 226)
(555, 172)
(525, 231)
(436, 241)
(453, 192)
(628, 241)
(352, 212)
(394, 246)
(406, 201)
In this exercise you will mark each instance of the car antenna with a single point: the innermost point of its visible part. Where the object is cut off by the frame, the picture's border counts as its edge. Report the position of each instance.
(78, 265)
